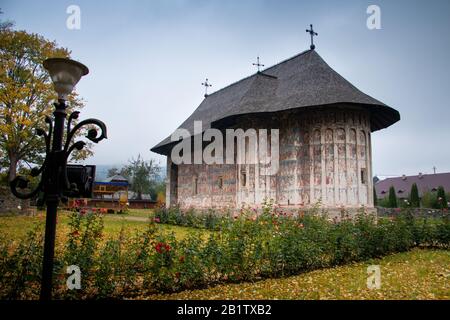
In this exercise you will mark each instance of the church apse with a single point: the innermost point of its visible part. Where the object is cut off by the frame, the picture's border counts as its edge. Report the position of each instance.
(319, 161)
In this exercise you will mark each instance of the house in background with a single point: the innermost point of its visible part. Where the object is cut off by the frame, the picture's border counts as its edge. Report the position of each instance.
(113, 193)
(115, 185)
(402, 185)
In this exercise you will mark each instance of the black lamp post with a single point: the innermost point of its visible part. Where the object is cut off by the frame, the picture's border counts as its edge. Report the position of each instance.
(54, 185)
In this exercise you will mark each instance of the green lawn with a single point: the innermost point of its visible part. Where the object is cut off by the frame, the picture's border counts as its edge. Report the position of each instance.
(16, 227)
(418, 274)
(143, 213)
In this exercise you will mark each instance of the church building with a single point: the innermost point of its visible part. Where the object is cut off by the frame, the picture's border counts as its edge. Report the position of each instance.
(325, 126)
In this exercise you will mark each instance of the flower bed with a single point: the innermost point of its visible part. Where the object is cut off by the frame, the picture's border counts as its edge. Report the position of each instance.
(244, 248)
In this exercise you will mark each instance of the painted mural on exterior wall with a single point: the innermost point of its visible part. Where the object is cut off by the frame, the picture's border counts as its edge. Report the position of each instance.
(324, 156)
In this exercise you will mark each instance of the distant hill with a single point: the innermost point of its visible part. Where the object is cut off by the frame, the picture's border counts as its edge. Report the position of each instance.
(101, 172)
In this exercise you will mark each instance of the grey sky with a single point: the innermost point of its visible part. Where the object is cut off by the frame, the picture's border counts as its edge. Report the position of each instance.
(147, 60)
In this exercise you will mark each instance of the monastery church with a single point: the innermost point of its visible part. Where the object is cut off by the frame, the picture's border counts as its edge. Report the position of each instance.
(325, 126)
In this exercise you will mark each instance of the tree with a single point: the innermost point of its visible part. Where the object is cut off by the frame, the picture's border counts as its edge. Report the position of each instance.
(158, 192)
(392, 198)
(26, 93)
(375, 199)
(161, 198)
(429, 200)
(142, 174)
(112, 172)
(414, 196)
(4, 25)
(442, 198)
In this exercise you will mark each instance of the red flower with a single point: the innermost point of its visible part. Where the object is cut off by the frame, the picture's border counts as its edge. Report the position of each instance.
(75, 233)
(182, 259)
(162, 247)
(157, 220)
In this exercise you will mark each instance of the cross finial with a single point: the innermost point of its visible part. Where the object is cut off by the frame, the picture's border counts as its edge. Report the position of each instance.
(312, 33)
(206, 85)
(257, 64)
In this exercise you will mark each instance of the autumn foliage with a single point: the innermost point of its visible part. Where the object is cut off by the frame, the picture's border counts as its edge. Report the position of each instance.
(26, 97)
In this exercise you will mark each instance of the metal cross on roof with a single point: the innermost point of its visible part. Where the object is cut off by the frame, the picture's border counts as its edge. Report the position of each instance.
(312, 33)
(257, 64)
(206, 85)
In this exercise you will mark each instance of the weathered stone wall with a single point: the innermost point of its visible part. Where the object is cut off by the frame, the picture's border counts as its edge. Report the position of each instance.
(206, 186)
(419, 212)
(10, 204)
(325, 155)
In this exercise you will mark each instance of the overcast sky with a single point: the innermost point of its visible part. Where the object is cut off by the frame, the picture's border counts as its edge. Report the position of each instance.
(147, 60)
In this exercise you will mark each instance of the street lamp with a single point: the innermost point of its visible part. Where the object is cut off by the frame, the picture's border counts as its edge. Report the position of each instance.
(54, 185)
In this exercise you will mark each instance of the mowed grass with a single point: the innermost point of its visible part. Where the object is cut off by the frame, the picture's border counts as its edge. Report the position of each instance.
(418, 274)
(16, 227)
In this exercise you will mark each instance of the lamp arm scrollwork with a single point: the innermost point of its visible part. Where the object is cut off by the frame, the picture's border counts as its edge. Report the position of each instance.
(21, 182)
(79, 145)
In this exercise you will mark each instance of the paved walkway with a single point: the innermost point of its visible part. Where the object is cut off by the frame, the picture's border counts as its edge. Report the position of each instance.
(129, 218)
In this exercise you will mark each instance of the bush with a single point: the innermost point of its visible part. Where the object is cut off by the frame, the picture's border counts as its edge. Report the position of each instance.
(21, 266)
(383, 202)
(247, 248)
(190, 218)
(441, 198)
(429, 200)
(414, 196)
(392, 198)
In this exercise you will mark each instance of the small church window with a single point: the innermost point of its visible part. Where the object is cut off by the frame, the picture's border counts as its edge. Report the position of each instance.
(363, 176)
(243, 178)
(220, 183)
(195, 185)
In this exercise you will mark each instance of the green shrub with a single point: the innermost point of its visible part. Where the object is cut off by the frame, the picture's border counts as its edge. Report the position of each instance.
(21, 266)
(414, 196)
(392, 198)
(247, 248)
(383, 202)
(429, 200)
(375, 197)
(442, 198)
(189, 218)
